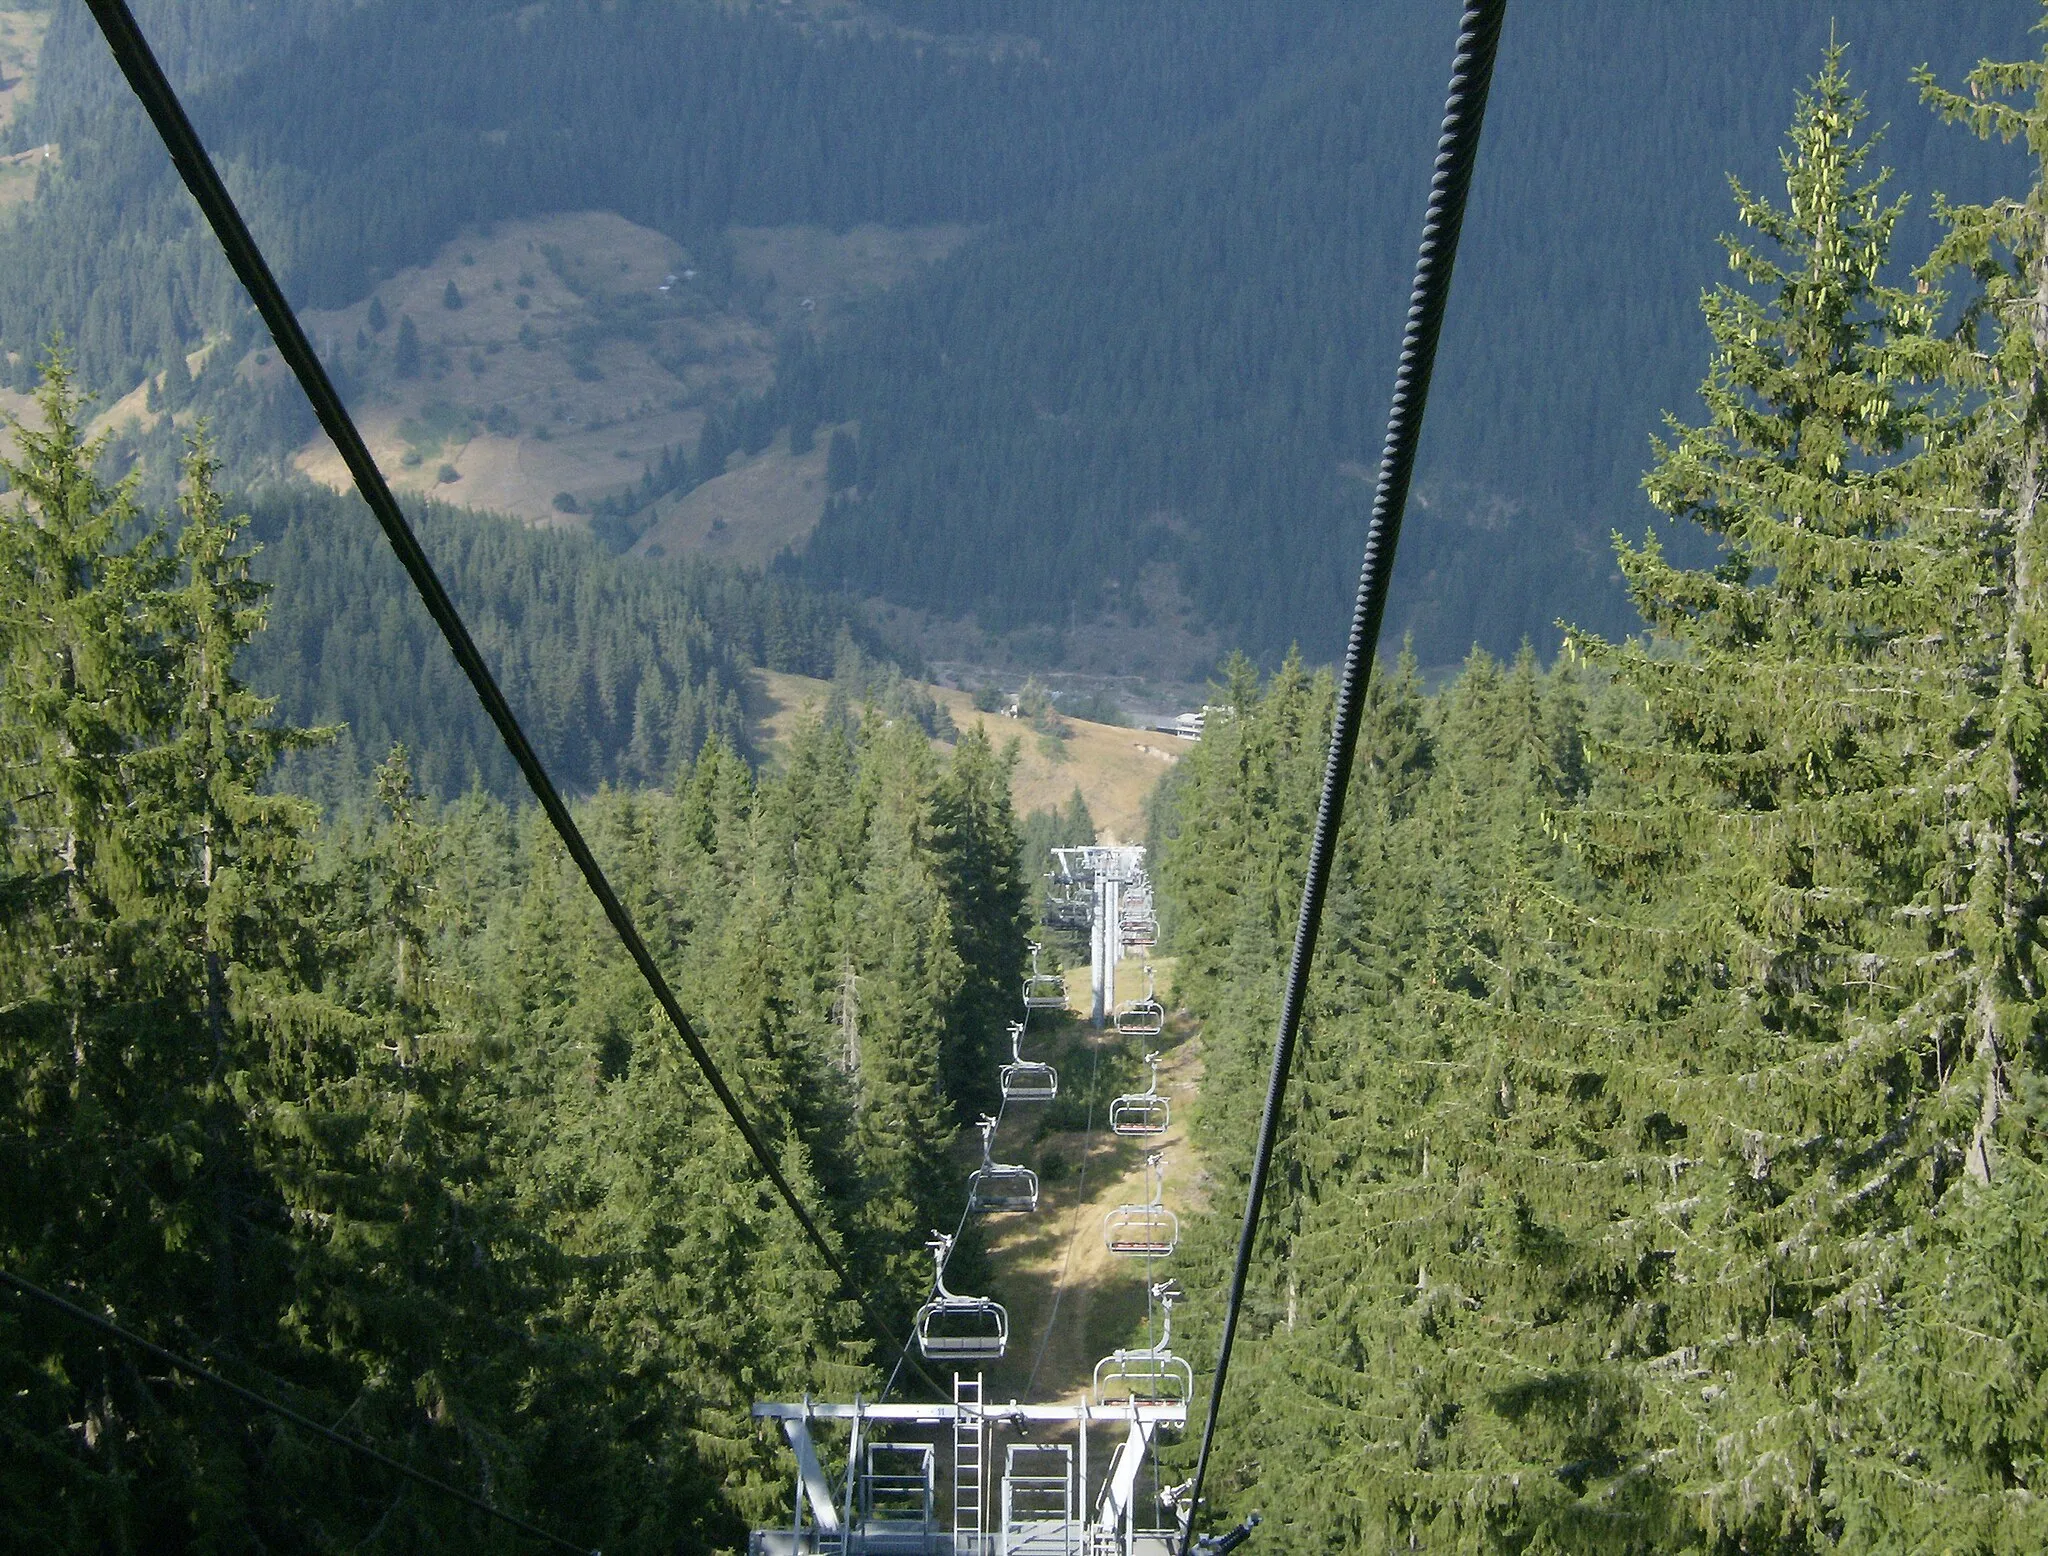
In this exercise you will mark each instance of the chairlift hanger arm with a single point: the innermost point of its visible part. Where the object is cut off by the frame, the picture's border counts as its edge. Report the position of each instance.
(146, 77)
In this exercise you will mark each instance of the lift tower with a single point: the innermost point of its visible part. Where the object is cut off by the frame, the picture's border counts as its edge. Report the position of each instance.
(1107, 875)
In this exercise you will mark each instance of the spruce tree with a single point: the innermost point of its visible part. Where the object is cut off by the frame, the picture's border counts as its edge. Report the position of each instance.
(911, 977)
(406, 360)
(1797, 963)
(976, 835)
(1944, 1427)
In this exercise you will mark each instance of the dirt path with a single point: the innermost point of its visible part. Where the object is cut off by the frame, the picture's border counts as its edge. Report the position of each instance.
(1071, 1301)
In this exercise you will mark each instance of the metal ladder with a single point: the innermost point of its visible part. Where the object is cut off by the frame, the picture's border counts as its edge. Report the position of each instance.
(967, 1468)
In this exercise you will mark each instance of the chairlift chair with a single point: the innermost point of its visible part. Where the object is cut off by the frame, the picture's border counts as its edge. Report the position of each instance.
(1150, 1374)
(1043, 990)
(998, 1186)
(1144, 1112)
(1070, 917)
(959, 1329)
(1142, 1018)
(1027, 1080)
(1148, 1231)
(1140, 933)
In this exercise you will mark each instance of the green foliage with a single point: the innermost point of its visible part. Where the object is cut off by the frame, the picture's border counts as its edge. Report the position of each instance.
(1667, 1096)
(622, 669)
(1186, 366)
(407, 361)
(381, 1121)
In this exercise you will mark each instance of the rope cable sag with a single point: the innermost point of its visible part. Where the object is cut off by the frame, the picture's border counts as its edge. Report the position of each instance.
(185, 1364)
(146, 77)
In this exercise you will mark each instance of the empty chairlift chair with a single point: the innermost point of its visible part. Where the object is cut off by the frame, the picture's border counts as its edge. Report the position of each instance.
(1148, 1231)
(998, 1186)
(1144, 1112)
(1142, 1018)
(959, 1329)
(1044, 990)
(1027, 1080)
(1067, 907)
(1151, 1374)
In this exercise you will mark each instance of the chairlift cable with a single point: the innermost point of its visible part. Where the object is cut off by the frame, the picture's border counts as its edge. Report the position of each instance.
(1457, 149)
(959, 1226)
(1059, 1288)
(146, 77)
(205, 1374)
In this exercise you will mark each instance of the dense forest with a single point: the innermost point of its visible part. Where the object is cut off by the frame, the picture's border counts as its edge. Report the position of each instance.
(1162, 368)
(355, 148)
(1665, 1169)
(622, 671)
(376, 1116)
(1188, 369)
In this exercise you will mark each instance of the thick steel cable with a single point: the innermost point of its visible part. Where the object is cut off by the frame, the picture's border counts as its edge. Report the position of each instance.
(1457, 148)
(146, 77)
(205, 1374)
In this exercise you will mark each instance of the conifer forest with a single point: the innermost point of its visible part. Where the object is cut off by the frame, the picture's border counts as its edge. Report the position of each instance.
(1664, 1162)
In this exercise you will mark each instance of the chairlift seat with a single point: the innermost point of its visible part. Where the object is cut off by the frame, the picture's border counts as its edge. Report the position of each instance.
(1141, 1018)
(1003, 1186)
(1141, 1231)
(1072, 916)
(998, 1186)
(961, 1329)
(958, 1329)
(1145, 1376)
(1029, 1081)
(1140, 1113)
(1045, 991)
(1026, 1080)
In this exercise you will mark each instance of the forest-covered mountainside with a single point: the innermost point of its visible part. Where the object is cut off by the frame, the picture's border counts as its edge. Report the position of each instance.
(621, 671)
(1665, 1165)
(1155, 380)
(1186, 371)
(377, 1118)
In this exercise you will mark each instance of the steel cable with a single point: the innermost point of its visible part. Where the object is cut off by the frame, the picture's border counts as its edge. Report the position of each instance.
(1457, 148)
(205, 1374)
(146, 77)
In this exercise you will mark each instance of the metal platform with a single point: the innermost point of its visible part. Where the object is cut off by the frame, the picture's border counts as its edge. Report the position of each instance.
(916, 1481)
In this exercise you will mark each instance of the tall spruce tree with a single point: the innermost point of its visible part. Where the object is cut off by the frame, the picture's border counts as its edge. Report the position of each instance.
(1821, 955)
(1948, 1430)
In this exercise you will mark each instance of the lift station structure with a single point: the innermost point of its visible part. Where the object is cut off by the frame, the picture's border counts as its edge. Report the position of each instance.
(917, 1478)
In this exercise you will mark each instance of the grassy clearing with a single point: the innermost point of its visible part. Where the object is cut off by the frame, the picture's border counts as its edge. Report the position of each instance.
(557, 357)
(1115, 768)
